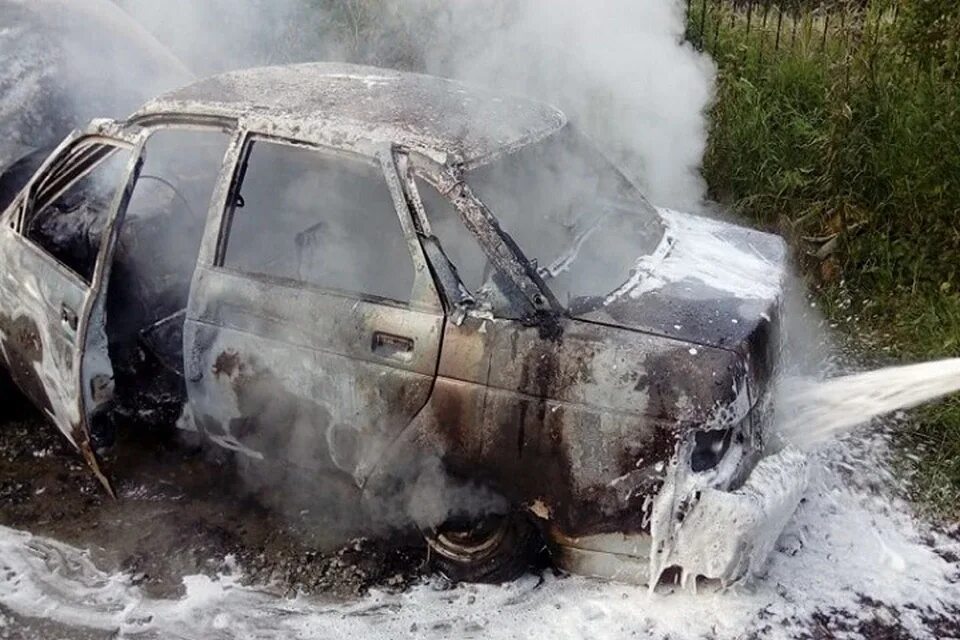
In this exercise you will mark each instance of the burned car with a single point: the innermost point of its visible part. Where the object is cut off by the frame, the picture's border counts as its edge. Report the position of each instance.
(354, 271)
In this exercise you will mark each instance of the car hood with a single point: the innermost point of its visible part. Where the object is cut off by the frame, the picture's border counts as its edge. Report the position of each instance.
(708, 282)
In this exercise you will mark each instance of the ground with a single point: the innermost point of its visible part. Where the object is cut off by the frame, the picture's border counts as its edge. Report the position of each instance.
(196, 511)
(186, 552)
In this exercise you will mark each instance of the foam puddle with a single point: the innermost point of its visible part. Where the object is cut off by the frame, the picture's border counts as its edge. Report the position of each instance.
(723, 535)
(851, 540)
(852, 554)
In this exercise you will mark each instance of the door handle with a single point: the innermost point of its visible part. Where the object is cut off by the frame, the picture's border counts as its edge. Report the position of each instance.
(68, 317)
(390, 345)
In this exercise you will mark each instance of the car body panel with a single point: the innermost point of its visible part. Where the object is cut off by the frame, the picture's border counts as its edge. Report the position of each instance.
(330, 393)
(350, 106)
(52, 324)
(709, 282)
(263, 382)
(578, 427)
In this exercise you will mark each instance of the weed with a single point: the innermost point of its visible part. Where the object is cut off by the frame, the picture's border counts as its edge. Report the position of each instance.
(848, 142)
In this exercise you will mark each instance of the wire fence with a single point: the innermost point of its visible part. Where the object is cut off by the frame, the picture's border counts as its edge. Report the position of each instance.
(775, 25)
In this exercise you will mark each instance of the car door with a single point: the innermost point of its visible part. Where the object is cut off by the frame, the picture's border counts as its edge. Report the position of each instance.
(56, 257)
(313, 329)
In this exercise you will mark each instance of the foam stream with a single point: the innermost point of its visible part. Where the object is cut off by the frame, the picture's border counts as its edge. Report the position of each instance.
(810, 413)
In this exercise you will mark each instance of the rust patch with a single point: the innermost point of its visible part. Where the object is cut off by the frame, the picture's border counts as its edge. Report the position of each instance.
(24, 348)
(227, 364)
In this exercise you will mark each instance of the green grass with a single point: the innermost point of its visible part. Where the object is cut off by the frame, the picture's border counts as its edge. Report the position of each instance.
(851, 148)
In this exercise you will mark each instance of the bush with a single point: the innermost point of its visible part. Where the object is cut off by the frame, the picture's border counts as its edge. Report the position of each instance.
(929, 31)
(850, 145)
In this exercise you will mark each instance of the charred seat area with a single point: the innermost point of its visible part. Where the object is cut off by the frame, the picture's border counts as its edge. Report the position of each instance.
(155, 259)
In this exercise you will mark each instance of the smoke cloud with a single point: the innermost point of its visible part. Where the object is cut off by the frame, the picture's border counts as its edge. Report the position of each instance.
(64, 62)
(619, 68)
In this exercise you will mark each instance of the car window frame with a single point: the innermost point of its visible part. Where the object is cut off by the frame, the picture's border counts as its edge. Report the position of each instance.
(157, 123)
(533, 297)
(57, 160)
(458, 297)
(11, 217)
(423, 296)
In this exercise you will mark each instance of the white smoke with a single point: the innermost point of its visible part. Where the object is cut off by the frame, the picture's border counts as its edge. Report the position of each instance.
(219, 35)
(619, 68)
(64, 62)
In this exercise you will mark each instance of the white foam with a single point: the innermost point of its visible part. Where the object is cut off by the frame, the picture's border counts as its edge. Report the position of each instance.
(695, 249)
(847, 540)
(724, 535)
(811, 412)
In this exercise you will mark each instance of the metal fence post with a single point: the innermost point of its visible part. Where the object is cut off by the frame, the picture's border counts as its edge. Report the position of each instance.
(776, 46)
(716, 25)
(826, 28)
(703, 21)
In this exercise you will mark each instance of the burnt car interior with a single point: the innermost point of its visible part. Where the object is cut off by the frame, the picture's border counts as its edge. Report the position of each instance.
(72, 205)
(156, 257)
(576, 217)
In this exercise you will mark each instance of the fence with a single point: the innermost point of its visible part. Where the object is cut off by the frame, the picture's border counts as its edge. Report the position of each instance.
(772, 25)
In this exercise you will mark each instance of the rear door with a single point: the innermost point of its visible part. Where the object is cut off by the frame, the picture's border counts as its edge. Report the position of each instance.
(313, 329)
(55, 260)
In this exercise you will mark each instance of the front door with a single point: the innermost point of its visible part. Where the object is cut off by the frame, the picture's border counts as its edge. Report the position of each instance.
(313, 329)
(55, 261)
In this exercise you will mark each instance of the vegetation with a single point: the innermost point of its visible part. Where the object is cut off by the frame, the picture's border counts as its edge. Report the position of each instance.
(844, 133)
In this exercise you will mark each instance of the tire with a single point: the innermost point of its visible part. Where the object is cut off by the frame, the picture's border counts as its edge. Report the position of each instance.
(498, 549)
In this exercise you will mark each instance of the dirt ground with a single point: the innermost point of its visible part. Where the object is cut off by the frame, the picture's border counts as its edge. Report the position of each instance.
(180, 510)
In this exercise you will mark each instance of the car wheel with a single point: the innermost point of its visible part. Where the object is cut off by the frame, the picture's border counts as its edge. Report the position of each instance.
(495, 548)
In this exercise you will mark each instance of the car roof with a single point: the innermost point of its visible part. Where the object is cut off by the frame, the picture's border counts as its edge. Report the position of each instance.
(350, 104)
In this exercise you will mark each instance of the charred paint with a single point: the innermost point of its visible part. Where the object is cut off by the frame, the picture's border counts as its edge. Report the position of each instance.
(20, 342)
(583, 426)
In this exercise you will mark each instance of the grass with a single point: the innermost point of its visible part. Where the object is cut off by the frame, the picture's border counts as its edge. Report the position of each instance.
(850, 146)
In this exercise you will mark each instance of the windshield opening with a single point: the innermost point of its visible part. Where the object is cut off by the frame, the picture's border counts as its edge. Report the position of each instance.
(573, 214)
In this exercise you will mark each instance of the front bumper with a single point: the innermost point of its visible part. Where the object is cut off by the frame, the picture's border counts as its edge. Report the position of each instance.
(721, 535)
